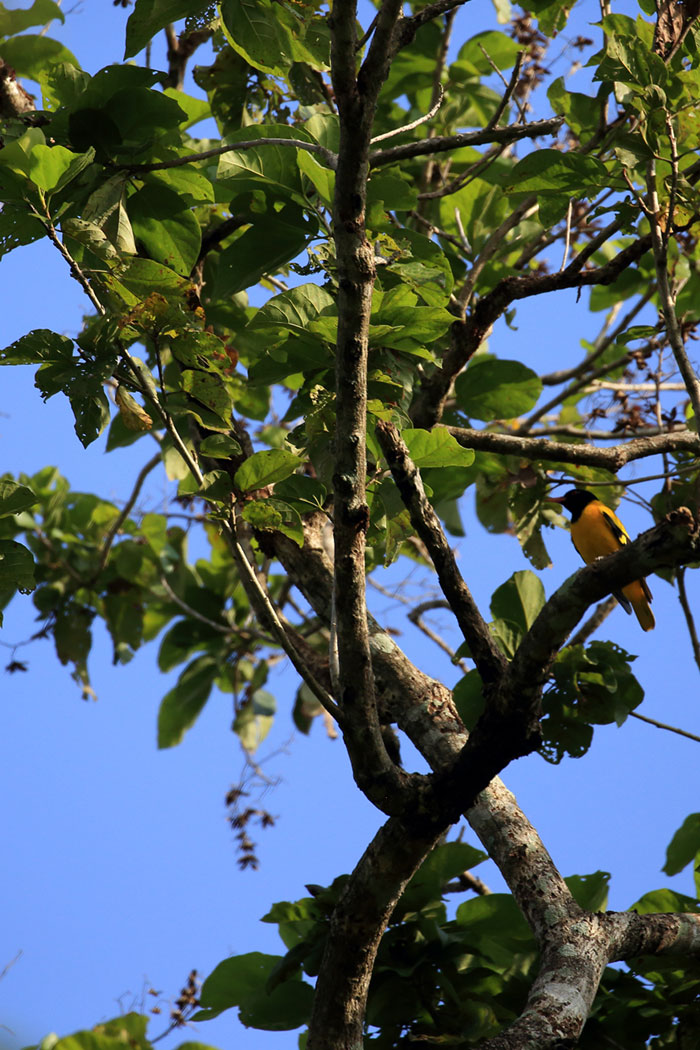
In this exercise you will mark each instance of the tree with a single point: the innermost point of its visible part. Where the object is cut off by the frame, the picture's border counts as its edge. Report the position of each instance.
(329, 431)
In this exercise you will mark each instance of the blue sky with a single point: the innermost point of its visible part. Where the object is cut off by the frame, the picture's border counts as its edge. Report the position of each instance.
(119, 869)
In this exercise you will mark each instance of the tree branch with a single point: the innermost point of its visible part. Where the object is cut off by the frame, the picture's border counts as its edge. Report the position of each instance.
(487, 656)
(443, 143)
(612, 459)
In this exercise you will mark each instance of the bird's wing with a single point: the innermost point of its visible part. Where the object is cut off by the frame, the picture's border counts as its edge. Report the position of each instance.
(615, 526)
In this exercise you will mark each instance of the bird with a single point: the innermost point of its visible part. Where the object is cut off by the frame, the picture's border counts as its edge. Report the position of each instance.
(596, 532)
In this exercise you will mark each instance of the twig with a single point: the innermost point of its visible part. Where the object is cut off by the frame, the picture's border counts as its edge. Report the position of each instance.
(414, 123)
(687, 612)
(573, 388)
(662, 725)
(485, 652)
(510, 88)
(612, 459)
(673, 330)
(443, 143)
(415, 616)
(328, 156)
(128, 507)
(467, 881)
(220, 627)
(600, 613)
(567, 237)
(75, 270)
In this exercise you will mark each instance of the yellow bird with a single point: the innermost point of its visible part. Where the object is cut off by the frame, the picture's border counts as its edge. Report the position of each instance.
(597, 532)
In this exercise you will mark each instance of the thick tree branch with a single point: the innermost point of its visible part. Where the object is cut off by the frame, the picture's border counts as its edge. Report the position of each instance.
(467, 336)
(612, 459)
(673, 542)
(488, 657)
(383, 782)
(443, 143)
(356, 929)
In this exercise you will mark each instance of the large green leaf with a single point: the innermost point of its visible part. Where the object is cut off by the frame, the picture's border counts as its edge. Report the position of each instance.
(15, 498)
(550, 171)
(266, 467)
(30, 55)
(241, 981)
(519, 600)
(254, 720)
(274, 239)
(267, 167)
(16, 567)
(254, 30)
(165, 227)
(436, 448)
(150, 16)
(291, 312)
(40, 13)
(684, 845)
(181, 706)
(494, 389)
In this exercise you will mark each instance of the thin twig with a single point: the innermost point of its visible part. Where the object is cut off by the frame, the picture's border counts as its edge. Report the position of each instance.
(328, 156)
(673, 330)
(662, 725)
(415, 616)
(510, 88)
(567, 237)
(600, 613)
(75, 270)
(687, 612)
(467, 881)
(414, 123)
(443, 143)
(128, 507)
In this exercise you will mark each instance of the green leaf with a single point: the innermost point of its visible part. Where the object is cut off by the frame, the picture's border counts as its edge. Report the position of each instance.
(468, 695)
(30, 55)
(40, 13)
(165, 227)
(241, 981)
(436, 448)
(519, 600)
(551, 171)
(471, 60)
(16, 567)
(15, 498)
(267, 167)
(254, 719)
(291, 312)
(664, 901)
(254, 31)
(272, 241)
(53, 167)
(445, 862)
(92, 415)
(590, 891)
(208, 388)
(275, 515)
(495, 389)
(684, 845)
(266, 467)
(220, 446)
(181, 706)
(150, 16)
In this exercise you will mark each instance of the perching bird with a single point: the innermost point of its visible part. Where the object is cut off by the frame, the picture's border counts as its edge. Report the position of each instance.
(597, 532)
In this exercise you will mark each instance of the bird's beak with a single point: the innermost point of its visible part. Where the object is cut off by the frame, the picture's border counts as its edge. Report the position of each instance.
(554, 499)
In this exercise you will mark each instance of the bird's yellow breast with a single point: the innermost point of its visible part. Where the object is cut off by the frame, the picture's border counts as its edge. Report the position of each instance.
(597, 532)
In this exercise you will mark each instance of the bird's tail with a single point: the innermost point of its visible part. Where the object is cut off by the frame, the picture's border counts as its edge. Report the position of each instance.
(638, 596)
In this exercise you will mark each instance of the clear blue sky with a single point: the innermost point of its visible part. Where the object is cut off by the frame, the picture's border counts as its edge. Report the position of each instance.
(119, 871)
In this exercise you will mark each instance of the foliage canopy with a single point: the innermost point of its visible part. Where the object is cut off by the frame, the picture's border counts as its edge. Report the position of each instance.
(293, 263)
